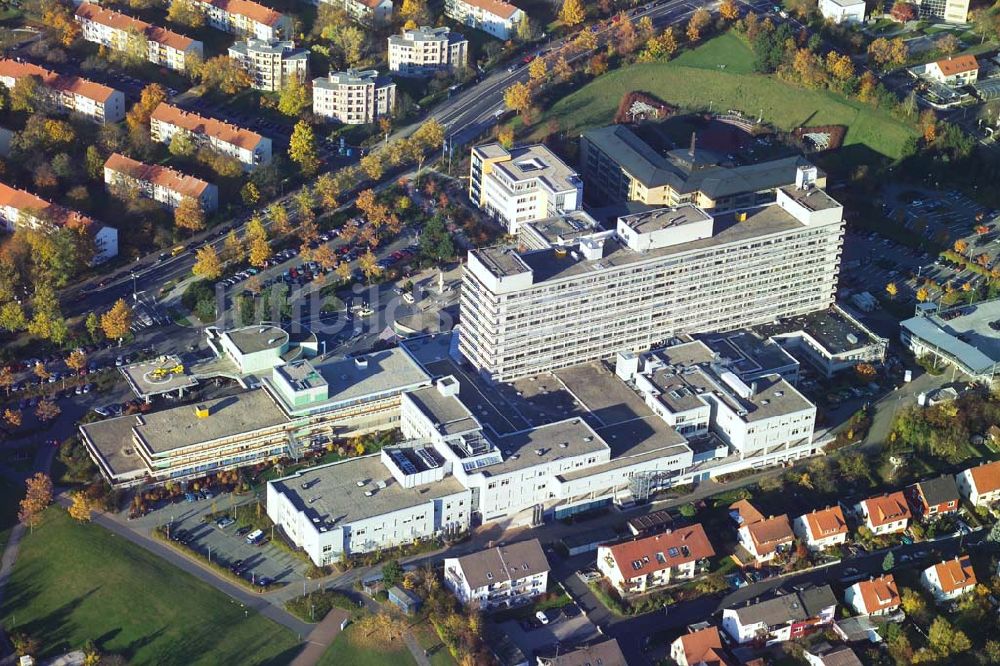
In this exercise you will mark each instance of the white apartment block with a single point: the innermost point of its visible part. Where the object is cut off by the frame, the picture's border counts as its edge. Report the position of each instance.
(660, 274)
(642, 565)
(843, 11)
(366, 12)
(494, 17)
(245, 18)
(425, 51)
(502, 577)
(20, 208)
(980, 485)
(271, 63)
(68, 94)
(115, 30)
(159, 183)
(245, 145)
(354, 97)
(522, 185)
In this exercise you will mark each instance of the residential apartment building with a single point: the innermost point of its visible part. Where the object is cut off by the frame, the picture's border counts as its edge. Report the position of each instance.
(934, 497)
(783, 618)
(762, 537)
(425, 51)
(885, 514)
(843, 11)
(366, 12)
(950, 11)
(642, 565)
(271, 63)
(875, 596)
(522, 185)
(245, 18)
(68, 94)
(659, 274)
(703, 646)
(501, 577)
(961, 70)
(618, 166)
(494, 17)
(354, 97)
(822, 529)
(115, 30)
(159, 183)
(980, 485)
(250, 148)
(950, 579)
(20, 208)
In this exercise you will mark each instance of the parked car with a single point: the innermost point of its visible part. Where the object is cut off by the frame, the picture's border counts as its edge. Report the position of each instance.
(542, 617)
(223, 523)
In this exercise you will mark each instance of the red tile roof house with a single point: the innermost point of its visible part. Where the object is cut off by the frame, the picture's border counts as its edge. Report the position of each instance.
(762, 537)
(885, 514)
(934, 497)
(949, 579)
(700, 647)
(822, 529)
(636, 567)
(877, 596)
(980, 485)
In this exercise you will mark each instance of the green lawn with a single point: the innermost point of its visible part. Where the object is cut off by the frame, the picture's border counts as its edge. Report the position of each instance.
(345, 651)
(74, 583)
(694, 81)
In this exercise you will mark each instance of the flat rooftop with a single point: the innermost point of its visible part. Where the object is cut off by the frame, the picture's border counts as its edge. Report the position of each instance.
(833, 329)
(544, 444)
(113, 440)
(157, 376)
(301, 374)
(333, 496)
(665, 218)
(538, 162)
(181, 427)
(748, 353)
(548, 265)
(253, 339)
(448, 412)
(967, 336)
(564, 228)
(812, 198)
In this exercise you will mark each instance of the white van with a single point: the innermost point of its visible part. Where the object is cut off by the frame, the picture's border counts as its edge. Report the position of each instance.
(255, 536)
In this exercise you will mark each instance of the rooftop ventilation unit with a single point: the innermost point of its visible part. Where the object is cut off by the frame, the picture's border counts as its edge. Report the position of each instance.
(361, 363)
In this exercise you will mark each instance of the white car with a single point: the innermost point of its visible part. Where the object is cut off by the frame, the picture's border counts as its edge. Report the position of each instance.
(542, 617)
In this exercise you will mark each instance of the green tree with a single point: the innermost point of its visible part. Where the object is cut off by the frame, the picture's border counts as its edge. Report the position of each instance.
(392, 573)
(302, 148)
(12, 318)
(224, 74)
(946, 640)
(435, 241)
(888, 562)
(24, 95)
(93, 326)
(182, 145)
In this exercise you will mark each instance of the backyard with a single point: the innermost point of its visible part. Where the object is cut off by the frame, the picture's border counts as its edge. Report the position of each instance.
(78, 582)
(718, 75)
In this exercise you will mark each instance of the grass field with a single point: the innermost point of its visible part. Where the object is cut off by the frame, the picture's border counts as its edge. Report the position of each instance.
(74, 583)
(345, 651)
(718, 74)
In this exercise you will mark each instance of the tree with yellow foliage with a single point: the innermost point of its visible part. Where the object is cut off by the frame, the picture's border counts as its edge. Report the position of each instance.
(188, 215)
(207, 264)
(505, 136)
(538, 70)
(233, 249)
(892, 290)
(369, 266)
(116, 321)
(923, 294)
(77, 360)
(697, 24)
(137, 119)
(572, 12)
(12, 417)
(38, 495)
(260, 249)
(81, 507)
(729, 10)
(518, 97)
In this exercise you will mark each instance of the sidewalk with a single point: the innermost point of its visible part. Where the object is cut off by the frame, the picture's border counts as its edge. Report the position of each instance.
(320, 638)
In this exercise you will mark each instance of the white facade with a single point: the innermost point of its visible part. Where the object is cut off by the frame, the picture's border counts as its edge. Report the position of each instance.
(159, 183)
(248, 147)
(494, 17)
(980, 485)
(366, 12)
(244, 17)
(115, 30)
(958, 575)
(539, 311)
(522, 185)
(354, 97)
(502, 577)
(68, 94)
(821, 529)
(271, 64)
(843, 11)
(960, 70)
(425, 51)
(877, 596)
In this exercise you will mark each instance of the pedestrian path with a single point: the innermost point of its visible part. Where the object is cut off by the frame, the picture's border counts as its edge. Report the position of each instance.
(320, 638)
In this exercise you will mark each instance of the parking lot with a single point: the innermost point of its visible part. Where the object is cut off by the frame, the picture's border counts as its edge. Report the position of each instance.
(567, 626)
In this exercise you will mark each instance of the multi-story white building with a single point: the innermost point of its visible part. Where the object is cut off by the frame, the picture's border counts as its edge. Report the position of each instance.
(366, 12)
(951, 11)
(159, 183)
(117, 31)
(961, 70)
(843, 11)
(980, 485)
(245, 17)
(68, 94)
(522, 185)
(271, 63)
(783, 618)
(660, 274)
(502, 577)
(20, 208)
(950, 579)
(425, 51)
(763, 537)
(354, 97)
(636, 567)
(250, 148)
(495, 17)
(822, 529)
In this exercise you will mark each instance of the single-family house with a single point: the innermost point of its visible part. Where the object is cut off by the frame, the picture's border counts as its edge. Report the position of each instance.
(949, 579)
(960, 70)
(825, 654)
(885, 514)
(700, 647)
(875, 596)
(635, 567)
(980, 485)
(934, 497)
(822, 529)
(785, 617)
(762, 537)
